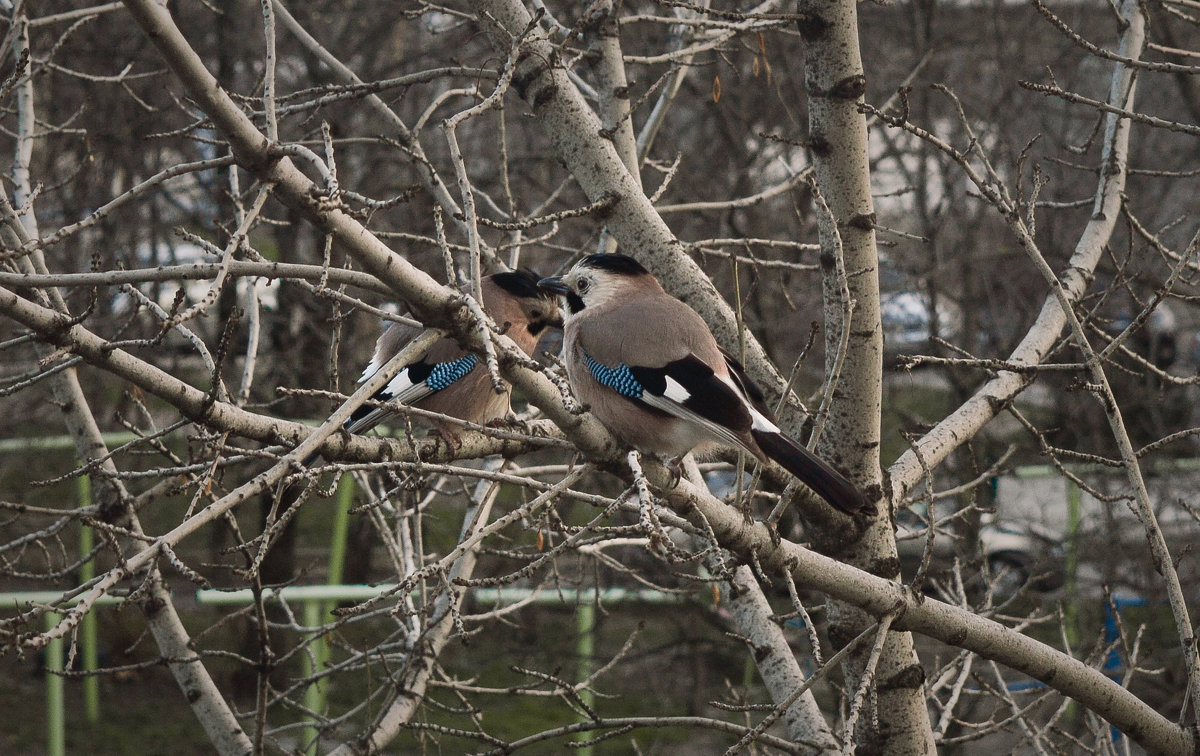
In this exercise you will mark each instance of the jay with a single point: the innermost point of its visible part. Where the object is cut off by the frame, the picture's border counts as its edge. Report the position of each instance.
(450, 380)
(650, 370)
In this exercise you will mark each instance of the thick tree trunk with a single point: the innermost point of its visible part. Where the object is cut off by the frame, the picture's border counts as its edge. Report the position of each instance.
(835, 82)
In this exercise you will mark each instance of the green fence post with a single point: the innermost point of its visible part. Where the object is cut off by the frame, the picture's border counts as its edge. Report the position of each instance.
(87, 628)
(585, 617)
(315, 611)
(341, 530)
(56, 729)
(314, 695)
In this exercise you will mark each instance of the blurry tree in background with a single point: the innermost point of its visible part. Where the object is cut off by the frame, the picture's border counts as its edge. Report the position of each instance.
(947, 240)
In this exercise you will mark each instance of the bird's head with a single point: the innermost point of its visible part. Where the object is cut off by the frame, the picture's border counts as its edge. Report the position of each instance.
(596, 280)
(538, 308)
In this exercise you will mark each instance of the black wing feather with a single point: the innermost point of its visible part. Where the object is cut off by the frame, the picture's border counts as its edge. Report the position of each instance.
(417, 373)
(749, 388)
(708, 396)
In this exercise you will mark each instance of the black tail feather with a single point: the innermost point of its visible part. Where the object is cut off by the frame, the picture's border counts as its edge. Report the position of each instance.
(813, 472)
(362, 420)
(368, 415)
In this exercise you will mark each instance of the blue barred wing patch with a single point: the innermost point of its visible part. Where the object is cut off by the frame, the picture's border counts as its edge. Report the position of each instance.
(619, 379)
(444, 374)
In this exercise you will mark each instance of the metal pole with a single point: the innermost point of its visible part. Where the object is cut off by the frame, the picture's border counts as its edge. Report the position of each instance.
(551, 595)
(314, 695)
(316, 611)
(59, 443)
(56, 730)
(341, 530)
(585, 615)
(87, 570)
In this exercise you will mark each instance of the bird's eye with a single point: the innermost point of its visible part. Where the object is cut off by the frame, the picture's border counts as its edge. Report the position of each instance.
(582, 286)
(536, 314)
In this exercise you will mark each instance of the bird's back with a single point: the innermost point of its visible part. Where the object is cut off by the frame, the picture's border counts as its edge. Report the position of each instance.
(648, 329)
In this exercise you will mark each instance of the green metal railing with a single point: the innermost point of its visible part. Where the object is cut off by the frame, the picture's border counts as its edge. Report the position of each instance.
(55, 664)
(318, 600)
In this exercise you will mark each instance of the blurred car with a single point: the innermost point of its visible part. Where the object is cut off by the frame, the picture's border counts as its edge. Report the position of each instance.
(1020, 556)
(908, 322)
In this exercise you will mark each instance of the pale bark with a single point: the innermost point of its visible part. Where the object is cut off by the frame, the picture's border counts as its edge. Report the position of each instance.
(781, 673)
(835, 83)
(174, 643)
(953, 625)
(604, 49)
(570, 125)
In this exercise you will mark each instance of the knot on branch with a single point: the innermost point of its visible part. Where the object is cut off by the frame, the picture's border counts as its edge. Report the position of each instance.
(811, 26)
(850, 88)
(862, 222)
(911, 677)
(533, 80)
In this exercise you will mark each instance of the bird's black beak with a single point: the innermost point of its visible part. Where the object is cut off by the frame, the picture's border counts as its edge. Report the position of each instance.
(553, 284)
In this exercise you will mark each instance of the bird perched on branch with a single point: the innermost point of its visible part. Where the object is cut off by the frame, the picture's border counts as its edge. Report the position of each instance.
(449, 380)
(652, 373)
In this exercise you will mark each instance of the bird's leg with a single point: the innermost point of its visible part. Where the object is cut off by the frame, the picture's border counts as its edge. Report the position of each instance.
(512, 422)
(447, 433)
(745, 494)
(674, 466)
(785, 498)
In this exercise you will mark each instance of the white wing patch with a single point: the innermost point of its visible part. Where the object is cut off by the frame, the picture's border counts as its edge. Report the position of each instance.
(675, 391)
(401, 388)
(371, 369)
(759, 422)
